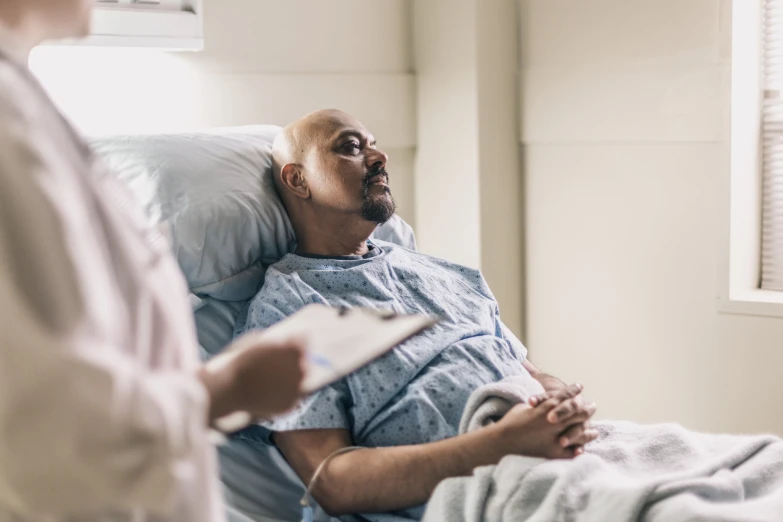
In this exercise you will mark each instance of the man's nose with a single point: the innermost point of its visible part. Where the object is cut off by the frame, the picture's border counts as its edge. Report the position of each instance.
(376, 159)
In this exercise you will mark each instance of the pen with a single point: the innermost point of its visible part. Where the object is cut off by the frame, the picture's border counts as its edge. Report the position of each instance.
(319, 360)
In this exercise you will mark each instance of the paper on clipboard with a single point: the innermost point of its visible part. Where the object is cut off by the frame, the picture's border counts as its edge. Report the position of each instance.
(339, 341)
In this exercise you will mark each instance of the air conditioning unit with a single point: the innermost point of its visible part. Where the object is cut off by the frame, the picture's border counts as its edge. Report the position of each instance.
(163, 24)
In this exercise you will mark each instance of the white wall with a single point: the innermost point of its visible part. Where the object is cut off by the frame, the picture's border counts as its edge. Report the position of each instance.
(467, 164)
(447, 162)
(624, 129)
(501, 179)
(265, 63)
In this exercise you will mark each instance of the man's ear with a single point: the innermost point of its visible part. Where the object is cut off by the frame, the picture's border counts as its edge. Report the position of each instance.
(293, 180)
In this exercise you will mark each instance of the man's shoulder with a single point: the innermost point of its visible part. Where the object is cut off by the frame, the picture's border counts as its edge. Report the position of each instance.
(426, 258)
(279, 278)
(418, 261)
(277, 299)
(285, 269)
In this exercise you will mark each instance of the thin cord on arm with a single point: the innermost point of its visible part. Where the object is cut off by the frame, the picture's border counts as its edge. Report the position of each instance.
(307, 509)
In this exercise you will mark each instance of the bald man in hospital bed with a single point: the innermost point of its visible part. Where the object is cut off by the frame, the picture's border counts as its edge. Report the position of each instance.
(405, 408)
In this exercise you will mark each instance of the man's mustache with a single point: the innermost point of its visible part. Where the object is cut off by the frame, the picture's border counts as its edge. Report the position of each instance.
(370, 176)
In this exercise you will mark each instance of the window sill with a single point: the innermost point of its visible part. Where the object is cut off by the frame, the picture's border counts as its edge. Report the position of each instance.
(761, 303)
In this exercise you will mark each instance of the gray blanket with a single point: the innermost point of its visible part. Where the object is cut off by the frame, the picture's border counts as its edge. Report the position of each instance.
(660, 473)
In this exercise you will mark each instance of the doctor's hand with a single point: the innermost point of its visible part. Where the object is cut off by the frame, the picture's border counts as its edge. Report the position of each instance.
(260, 377)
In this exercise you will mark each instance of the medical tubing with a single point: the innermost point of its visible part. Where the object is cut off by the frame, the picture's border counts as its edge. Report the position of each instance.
(305, 502)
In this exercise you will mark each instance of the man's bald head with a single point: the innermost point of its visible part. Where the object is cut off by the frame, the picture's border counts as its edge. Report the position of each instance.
(327, 164)
(295, 141)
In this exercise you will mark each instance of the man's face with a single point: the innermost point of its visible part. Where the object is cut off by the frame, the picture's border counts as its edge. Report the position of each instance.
(345, 170)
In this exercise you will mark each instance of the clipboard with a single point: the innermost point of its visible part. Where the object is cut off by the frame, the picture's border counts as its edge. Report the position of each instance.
(339, 341)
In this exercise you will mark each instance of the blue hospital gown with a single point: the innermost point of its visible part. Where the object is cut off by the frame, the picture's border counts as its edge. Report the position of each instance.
(415, 393)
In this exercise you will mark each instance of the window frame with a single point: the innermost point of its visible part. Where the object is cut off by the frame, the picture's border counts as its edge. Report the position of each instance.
(740, 273)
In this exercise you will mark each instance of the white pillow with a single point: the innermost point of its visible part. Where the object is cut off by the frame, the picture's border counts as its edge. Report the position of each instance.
(214, 193)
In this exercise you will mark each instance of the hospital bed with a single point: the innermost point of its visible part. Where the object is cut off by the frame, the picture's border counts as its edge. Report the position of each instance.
(212, 194)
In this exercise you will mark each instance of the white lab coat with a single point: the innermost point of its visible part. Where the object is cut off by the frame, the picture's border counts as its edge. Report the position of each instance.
(101, 415)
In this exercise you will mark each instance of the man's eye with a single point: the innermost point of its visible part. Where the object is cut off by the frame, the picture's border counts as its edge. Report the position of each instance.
(352, 146)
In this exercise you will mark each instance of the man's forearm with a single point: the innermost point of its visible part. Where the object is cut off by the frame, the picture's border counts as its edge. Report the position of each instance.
(548, 382)
(389, 479)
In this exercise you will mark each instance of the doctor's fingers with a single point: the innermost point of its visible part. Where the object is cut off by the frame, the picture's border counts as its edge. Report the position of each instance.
(270, 377)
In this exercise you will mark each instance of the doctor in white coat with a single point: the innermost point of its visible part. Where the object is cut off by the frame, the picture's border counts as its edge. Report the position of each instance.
(104, 407)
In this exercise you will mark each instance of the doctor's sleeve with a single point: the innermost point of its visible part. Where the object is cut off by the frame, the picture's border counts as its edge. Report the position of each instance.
(83, 426)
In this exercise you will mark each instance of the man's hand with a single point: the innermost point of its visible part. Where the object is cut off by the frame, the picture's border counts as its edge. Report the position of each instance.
(256, 376)
(573, 412)
(529, 431)
(576, 407)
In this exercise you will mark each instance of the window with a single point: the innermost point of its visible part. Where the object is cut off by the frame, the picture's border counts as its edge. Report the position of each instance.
(752, 267)
(772, 147)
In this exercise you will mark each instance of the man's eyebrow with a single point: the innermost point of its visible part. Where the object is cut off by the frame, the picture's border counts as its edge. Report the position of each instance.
(347, 133)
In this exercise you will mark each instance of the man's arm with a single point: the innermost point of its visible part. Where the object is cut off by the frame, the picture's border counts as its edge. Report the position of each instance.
(383, 479)
(549, 382)
(388, 479)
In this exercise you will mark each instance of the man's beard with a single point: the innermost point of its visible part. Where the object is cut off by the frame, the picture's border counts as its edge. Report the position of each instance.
(377, 208)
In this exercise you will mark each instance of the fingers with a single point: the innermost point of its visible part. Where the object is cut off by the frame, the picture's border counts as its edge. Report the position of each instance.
(578, 435)
(569, 392)
(539, 399)
(566, 453)
(563, 411)
(270, 375)
(561, 394)
(572, 410)
(520, 413)
(290, 359)
(555, 398)
(535, 400)
(574, 450)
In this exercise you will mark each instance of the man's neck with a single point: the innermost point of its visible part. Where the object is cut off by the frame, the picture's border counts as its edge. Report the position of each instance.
(334, 237)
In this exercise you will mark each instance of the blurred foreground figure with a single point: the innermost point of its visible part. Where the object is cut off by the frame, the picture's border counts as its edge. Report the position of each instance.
(104, 406)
